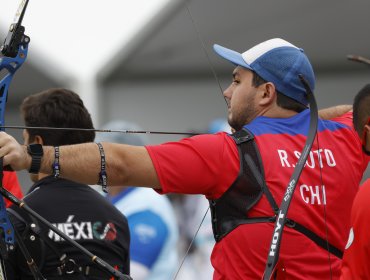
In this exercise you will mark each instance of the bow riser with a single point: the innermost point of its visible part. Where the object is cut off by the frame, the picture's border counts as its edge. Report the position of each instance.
(11, 65)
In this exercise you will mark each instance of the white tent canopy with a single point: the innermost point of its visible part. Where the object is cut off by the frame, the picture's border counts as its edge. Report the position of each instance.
(73, 40)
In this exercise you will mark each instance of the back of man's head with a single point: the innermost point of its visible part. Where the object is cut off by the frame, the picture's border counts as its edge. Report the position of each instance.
(135, 139)
(361, 109)
(61, 108)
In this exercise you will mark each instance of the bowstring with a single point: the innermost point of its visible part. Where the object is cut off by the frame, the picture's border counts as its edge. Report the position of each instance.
(203, 47)
(191, 244)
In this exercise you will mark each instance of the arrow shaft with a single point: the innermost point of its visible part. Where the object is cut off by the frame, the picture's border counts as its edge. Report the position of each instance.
(98, 130)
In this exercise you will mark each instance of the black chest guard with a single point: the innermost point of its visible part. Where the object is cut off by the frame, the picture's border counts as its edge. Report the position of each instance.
(231, 209)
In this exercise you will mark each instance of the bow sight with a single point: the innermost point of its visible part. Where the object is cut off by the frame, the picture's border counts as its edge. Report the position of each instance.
(16, 37)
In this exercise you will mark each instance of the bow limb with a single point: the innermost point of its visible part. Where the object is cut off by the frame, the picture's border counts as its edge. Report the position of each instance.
(281, 219)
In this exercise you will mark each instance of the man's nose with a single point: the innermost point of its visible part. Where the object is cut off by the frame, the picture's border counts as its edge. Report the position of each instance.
(227, 92)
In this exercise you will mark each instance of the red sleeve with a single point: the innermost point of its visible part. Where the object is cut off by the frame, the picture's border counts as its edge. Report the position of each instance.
(346, 119)
(204, 164)
(11, 183)
(357, 254)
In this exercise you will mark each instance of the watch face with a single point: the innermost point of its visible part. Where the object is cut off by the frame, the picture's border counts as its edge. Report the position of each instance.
(35, 149)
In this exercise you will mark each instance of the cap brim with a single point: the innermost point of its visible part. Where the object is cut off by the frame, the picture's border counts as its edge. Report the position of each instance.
(230, 55)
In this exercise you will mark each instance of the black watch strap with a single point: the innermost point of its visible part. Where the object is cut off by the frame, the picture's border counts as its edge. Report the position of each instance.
(36, 152)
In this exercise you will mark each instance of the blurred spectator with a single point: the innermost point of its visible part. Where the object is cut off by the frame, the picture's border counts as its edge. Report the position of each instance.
(151, 218)
(356, 257)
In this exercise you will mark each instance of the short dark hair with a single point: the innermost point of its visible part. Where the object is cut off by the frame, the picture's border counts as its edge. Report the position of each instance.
(57, 107)
(282, 100)
(361, 109)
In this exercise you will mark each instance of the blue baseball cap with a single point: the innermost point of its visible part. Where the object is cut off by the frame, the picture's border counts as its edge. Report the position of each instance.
(276, 61)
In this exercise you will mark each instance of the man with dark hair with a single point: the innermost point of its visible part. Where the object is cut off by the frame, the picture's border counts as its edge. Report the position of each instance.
(75, 209)
(227, 169)
(356, 257)
(361, 115)
(57, 107)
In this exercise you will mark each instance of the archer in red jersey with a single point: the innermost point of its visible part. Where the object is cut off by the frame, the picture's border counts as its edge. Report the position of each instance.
(244, 175)
(356, 256)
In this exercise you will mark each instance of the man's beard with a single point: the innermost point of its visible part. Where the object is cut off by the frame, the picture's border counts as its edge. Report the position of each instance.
(237, 121)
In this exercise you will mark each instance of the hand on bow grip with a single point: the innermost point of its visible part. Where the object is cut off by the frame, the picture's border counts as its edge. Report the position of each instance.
(15, 156)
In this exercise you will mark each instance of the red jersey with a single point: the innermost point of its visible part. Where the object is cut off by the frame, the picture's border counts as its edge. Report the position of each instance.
(10, 182)
(209, 164)
(356, 256)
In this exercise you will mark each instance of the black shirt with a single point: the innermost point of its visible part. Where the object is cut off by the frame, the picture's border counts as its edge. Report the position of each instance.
(82, 214)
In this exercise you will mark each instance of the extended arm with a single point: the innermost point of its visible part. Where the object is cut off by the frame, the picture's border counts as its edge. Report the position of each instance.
(333, 112)
(125, 165)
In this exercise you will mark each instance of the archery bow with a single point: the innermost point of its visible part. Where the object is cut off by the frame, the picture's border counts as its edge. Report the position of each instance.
(281, 219)
(14, 51)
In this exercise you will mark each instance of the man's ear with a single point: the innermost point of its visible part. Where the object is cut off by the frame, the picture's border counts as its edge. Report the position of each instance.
(38, 140)
(366, 137)
(269, 93)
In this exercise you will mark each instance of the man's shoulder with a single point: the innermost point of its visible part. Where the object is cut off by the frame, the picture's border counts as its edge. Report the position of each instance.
(345, 120)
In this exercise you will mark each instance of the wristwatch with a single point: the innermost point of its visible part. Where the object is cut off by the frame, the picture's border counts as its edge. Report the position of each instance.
(36, 152)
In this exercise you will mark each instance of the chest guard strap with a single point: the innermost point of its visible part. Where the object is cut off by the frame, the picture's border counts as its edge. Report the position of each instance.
(231, 209)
